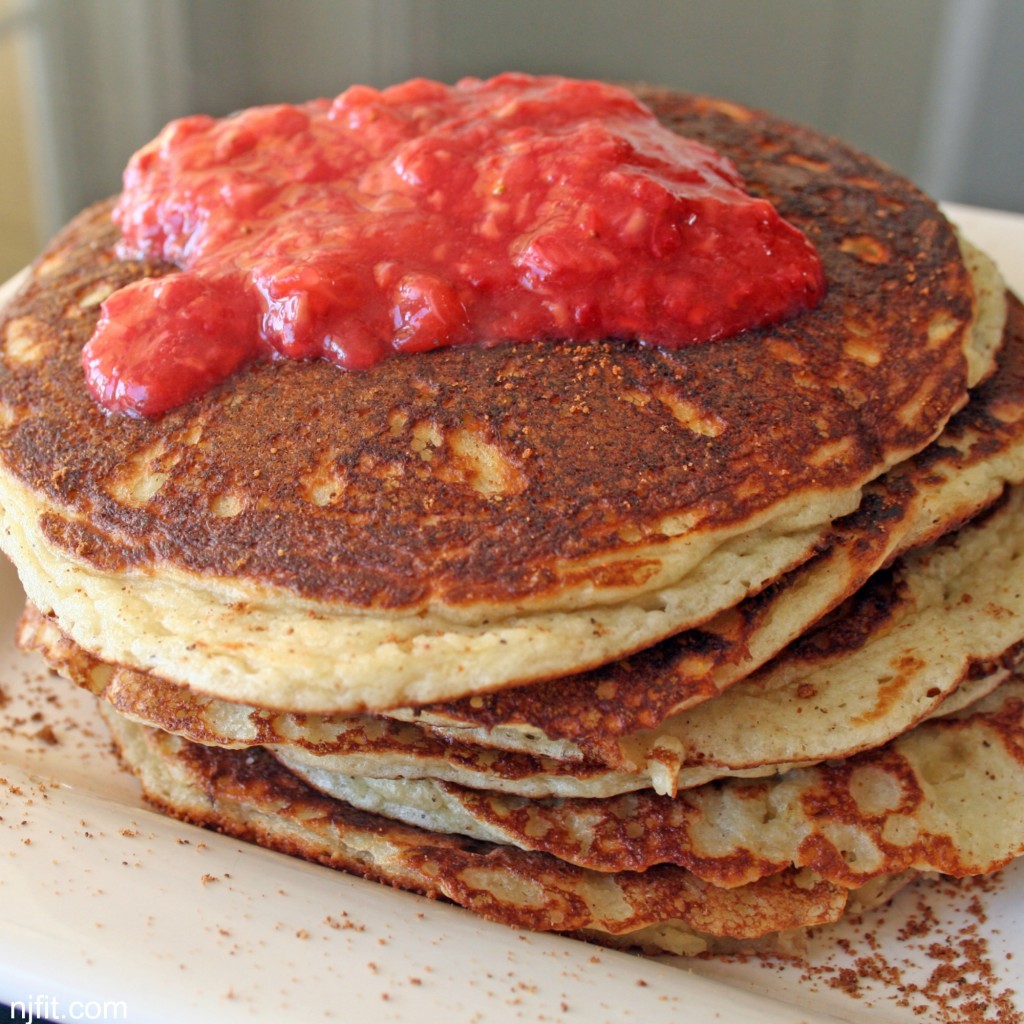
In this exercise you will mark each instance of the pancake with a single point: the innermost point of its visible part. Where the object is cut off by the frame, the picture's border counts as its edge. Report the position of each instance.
(978, 454)
(457, 522)
(933, 799)
(936, 799)
(890, 657)
(611, 747)
(250, 796)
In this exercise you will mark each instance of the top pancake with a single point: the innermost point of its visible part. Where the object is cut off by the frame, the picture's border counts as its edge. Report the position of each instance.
(468, 504)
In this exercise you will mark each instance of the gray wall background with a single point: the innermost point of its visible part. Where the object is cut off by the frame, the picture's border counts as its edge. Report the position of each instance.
(933, 87)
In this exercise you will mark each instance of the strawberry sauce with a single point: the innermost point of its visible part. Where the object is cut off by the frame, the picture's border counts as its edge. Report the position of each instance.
(424, 215)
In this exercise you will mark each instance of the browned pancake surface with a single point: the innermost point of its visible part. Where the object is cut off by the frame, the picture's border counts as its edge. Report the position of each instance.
(492, 475)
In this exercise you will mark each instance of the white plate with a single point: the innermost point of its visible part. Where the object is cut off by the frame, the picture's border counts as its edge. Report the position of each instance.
(111, 912)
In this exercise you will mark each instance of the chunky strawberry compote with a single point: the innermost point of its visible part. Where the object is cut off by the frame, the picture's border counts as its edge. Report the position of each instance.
(424, 215)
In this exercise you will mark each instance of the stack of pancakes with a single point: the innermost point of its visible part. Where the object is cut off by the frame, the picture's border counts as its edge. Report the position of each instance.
(670, 649)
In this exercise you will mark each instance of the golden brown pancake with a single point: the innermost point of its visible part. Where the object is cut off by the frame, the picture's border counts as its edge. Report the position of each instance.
(250, 796)
(620, 727)
(930, 800)
(455, 522)
(934, 800)
(944, 623)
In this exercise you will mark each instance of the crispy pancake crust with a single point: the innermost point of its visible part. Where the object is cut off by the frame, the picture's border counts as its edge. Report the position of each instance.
(249, 795)
(490, 478)
(933, 799)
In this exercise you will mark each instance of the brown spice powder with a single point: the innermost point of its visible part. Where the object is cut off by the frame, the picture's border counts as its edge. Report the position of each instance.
(942, 972)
